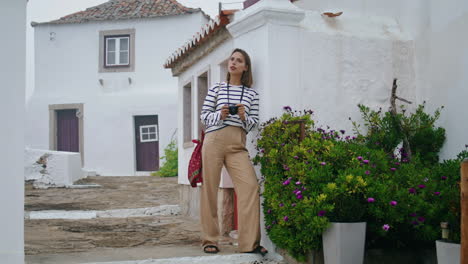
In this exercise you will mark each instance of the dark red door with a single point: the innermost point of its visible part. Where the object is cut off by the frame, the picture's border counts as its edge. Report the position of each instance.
(67, 130)
(147, 143)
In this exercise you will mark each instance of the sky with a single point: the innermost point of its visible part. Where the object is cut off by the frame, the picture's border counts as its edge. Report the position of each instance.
(47, 10)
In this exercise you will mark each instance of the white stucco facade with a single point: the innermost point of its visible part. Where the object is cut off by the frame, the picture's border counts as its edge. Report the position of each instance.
(12, 74)
(306, 60)
(67, 72)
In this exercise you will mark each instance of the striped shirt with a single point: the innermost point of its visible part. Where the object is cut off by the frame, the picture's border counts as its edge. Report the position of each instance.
(218, 96)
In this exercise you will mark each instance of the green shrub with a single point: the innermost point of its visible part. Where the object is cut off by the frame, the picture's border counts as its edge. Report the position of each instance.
(170, 166)
(329, 176)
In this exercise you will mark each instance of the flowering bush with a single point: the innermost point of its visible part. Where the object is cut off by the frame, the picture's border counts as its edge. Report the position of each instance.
(328, 176)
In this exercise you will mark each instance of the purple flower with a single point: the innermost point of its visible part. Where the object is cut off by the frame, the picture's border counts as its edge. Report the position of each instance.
(286, 218)
(285, 167)
(281, 204)
(298, 183)
(299, 196)
(287, 108)
(353, 138)
(298, 192)
(274, 222)
(262, 151)
(412, 190)
(421, 219)
(322, 213)
(304, 188)
(393, 169)
(269, 211)
(397, 163)
(268, 227)
(306, 162)
(443, 178)
(413, 214)
(293, 204)
(405, 160)
(359, 158)
(367, 172)
(296, 157)
(414, 222)
(370, 200)
(282, 144)
(342, 131)
(436, 193)
(421, 186)
(286, 182)
(385, 227)
(393, 203)
(323, 163)
(365, 161)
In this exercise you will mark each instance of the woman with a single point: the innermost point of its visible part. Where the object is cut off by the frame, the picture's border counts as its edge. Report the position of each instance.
(229, 112)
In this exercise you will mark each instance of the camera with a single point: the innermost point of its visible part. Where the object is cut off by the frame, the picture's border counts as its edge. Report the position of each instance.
(233, 109)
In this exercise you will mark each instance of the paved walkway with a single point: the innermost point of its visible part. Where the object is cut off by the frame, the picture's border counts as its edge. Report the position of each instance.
(130, 220)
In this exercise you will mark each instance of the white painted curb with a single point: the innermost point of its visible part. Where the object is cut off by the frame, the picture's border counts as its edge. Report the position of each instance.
(91, 214)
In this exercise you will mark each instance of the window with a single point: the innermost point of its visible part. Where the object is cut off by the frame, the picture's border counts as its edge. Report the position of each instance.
(149, 133)
(117, 51)
(187, 116)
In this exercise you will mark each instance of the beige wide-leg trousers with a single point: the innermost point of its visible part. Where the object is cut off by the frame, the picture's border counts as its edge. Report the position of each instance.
(227, 147)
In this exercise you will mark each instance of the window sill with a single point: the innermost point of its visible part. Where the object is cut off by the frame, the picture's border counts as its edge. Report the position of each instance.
(188, 144)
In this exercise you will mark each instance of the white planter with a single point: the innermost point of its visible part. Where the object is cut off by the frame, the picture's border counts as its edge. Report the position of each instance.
(447, 252)
(343, 243)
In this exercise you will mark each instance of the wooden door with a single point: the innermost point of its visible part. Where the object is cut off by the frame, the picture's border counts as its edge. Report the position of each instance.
(67, 131)
(147, 143)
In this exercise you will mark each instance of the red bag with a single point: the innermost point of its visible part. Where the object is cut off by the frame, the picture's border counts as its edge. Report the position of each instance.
(195, 163)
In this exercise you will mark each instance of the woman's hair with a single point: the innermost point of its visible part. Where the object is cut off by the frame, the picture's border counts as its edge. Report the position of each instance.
(246, 78)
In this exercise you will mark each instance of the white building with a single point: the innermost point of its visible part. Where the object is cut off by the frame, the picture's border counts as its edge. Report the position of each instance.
(307, 59)
(99, 86)
(12, 74)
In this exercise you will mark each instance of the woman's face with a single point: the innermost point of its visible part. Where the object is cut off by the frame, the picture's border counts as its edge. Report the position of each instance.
(236, 64)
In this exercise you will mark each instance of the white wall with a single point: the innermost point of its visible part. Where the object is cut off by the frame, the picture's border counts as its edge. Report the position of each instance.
(12, 74)
(440, 57)
(67, 72)
(446, 73)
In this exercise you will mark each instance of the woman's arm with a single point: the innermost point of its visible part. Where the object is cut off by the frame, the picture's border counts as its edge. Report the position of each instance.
(251, 119)
(209, 116)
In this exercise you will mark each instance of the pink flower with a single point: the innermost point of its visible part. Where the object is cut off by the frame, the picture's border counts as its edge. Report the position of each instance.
(367, 172)
(293, 204)
(370, 200)
(393, 203)
(365, 161)
(436, 193)
(286, 218)
(298, 183)
(323, 163)
(412, 190)
(385, 227)
(299, 196)
(393, 169)
(296, 157)
(421, 186)
(359, 158)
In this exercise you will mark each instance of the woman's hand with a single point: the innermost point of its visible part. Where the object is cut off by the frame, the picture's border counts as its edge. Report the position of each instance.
(241, 111)
(224, 111)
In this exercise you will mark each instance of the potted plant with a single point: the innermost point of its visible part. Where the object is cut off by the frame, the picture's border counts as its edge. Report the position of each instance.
(344, 240)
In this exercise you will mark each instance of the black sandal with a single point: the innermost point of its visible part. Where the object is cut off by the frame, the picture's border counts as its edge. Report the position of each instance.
(216, 249)
(259, 250)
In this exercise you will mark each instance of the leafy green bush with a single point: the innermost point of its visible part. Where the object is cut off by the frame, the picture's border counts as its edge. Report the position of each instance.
(170, 166)
(329, 176)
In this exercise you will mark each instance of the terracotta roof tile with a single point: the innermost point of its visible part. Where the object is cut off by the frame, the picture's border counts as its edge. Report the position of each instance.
(206, 32)
(126, 9)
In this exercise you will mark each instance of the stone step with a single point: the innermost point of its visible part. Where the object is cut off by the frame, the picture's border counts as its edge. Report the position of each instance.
(215, 259)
